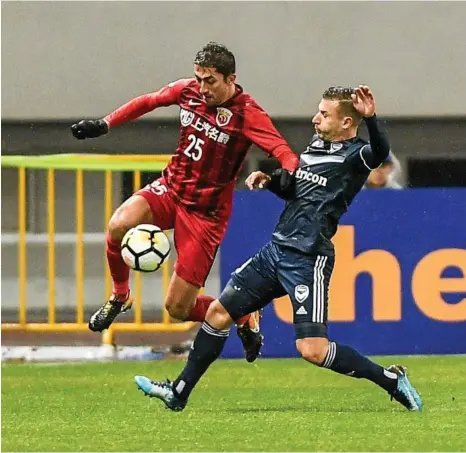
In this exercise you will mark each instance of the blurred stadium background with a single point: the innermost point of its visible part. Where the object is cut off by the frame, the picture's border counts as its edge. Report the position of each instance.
(64, 61)
(414, 63)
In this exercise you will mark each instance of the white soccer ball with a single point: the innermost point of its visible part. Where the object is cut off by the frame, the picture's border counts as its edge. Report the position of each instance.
(145, 248)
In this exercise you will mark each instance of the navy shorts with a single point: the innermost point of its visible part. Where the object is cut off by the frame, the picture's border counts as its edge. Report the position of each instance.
(275, 271)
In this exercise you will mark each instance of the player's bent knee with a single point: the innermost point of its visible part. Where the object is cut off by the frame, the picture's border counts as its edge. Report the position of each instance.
(133, 212)
(117, 227)
(179, 303)
(177, 309)
(313, 350)
(179, 306)
(181, 298)
(218, 317)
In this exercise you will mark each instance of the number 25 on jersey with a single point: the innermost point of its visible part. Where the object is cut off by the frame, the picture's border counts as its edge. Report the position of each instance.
(194, 149)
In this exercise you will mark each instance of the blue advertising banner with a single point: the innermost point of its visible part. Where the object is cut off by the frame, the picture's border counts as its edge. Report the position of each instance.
(399, 284)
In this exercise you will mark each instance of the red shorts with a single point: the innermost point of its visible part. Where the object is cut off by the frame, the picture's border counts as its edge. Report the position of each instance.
(196, 238)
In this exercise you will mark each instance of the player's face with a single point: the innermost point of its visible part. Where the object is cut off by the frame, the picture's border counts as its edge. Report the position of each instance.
(328, 121)
(213, 86)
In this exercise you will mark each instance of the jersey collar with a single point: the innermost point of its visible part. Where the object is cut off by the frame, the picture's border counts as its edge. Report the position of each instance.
(234, 98)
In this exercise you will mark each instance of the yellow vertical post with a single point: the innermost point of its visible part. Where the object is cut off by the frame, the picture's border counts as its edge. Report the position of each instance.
(51, 243)
(107, 336)
(166, 282)
(108, 213)
(137, 276)
(79, 247)
(22, 244)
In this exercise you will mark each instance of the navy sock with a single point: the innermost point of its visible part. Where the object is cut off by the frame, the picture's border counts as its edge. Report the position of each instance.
(346, 360)
(207, 347)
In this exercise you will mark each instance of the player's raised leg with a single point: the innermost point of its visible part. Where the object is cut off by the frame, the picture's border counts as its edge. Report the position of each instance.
(150, 205)
(132, 212)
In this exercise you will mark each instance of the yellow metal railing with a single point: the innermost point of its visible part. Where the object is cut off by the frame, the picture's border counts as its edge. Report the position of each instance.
(79, 163)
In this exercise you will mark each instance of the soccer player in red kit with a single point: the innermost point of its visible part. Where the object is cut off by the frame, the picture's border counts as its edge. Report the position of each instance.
(219, 123)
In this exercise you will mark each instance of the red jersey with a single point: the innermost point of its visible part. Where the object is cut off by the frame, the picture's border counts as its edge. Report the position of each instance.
(213, 143)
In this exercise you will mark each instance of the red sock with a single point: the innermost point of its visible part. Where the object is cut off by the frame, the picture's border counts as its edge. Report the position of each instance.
(200, 308)
(118, 269)
(242, 321)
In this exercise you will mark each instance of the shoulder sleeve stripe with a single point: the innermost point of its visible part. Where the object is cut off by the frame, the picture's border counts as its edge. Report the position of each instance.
(364, 160)
(327, 159)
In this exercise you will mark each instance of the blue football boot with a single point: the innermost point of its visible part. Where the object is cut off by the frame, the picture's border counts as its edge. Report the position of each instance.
(405, 392)
(161, 390)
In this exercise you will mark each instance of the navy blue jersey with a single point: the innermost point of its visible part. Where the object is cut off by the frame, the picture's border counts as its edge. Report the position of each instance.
(329, 176)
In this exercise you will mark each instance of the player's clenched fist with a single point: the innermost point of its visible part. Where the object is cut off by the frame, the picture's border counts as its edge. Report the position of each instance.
(89, 129)
(257, 180)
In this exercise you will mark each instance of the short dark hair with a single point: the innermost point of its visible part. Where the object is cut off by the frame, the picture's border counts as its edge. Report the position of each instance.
(345, 101)
(214, 55)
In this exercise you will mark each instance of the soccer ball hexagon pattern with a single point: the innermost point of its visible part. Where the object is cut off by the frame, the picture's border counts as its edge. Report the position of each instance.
(145, 248)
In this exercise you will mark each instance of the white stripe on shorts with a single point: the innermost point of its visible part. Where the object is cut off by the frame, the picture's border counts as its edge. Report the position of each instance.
(318, 305)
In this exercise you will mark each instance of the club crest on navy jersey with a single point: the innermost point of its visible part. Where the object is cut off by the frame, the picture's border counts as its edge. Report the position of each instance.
(317, 143)
(334, 147)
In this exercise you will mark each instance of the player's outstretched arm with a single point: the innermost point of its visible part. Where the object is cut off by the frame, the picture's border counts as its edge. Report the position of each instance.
(274, 183)
(137, 107)
(377, 152)
(258, 128)
(127, 112)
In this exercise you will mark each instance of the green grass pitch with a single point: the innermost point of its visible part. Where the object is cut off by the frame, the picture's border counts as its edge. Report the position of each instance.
(271, 405)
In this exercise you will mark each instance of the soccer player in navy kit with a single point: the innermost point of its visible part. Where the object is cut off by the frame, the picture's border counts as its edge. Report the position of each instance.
(299, 259)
